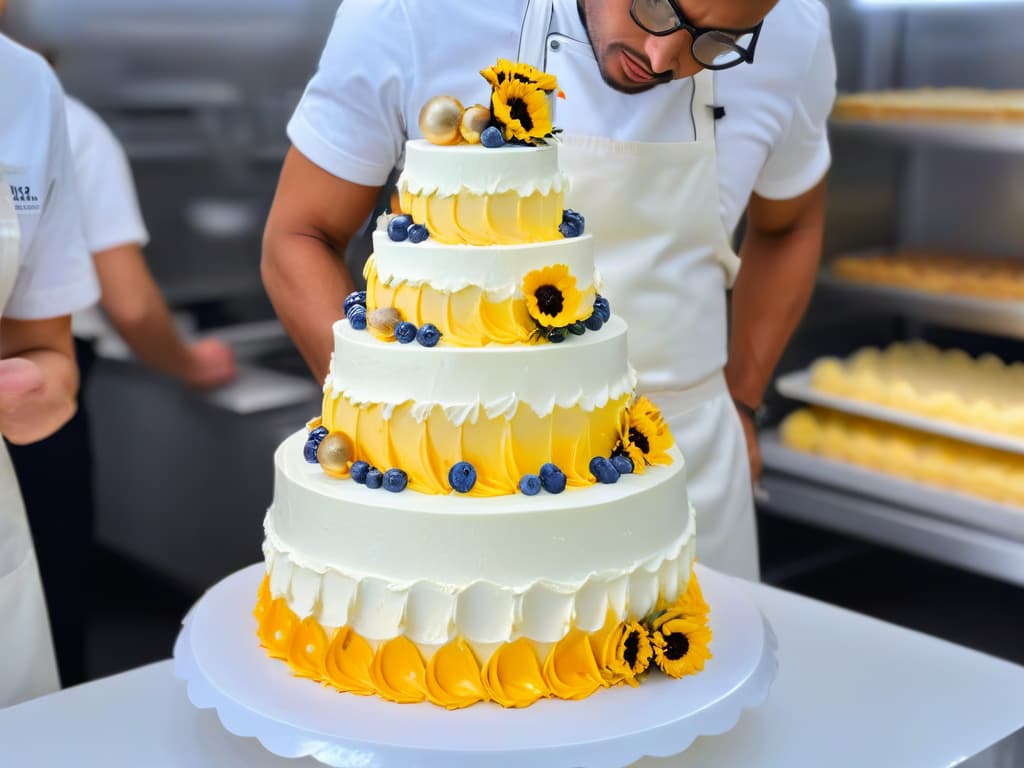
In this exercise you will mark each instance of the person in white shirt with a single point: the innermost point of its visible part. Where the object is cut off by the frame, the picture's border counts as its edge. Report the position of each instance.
(45, 275)
(61, 514)
(679, 116)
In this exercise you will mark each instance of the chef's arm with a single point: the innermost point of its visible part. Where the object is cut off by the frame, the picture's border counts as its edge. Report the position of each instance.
(312, 219)
(38, 378)
(780, 255)
(133, 303)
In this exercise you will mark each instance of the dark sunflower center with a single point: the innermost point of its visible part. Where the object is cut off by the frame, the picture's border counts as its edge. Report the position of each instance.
(677, 645)
(639, 439)
(519, 111)
(632, 649)
(549, 299)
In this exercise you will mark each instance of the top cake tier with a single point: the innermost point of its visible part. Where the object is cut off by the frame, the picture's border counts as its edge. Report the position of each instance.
(474, 195)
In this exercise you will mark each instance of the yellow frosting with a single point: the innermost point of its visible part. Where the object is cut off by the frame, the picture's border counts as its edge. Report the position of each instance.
(513, 676)
(502, 450)
(503, 218)
(453, 676)
(466, 317)
(398, 671)
(570, 670)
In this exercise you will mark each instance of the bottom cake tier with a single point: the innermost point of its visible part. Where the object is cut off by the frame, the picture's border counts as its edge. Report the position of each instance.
(457, 600)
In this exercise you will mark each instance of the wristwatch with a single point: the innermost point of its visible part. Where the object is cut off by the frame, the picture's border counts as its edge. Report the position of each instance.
(756, 415)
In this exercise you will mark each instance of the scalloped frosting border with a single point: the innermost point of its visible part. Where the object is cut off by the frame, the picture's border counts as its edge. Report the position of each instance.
(482, 612)
(514, 674)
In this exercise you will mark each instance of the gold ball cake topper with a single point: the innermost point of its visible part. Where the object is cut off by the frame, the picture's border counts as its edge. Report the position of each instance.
(439, 120)
(474, 121)
(334, 454)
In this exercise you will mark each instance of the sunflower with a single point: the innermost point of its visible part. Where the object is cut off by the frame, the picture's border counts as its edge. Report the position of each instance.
(509, 70)
(628, 652)
(681, 647)
(551, 296)
(522, 111)
(647, 438)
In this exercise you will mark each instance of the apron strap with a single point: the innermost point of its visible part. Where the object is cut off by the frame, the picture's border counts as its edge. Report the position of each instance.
(703, 100)
(533, 37)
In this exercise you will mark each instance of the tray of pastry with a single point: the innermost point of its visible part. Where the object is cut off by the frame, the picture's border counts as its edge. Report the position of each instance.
(931, 500)
(943, 393)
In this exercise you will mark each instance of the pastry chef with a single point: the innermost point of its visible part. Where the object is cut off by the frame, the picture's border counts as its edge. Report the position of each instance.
(45, 275)
(680, 116)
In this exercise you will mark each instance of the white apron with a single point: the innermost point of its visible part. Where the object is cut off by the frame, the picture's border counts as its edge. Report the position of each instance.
(28, 667)
(666, 262)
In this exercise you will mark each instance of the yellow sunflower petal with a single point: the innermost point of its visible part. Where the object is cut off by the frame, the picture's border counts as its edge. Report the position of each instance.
(681, 647)
(552, 287)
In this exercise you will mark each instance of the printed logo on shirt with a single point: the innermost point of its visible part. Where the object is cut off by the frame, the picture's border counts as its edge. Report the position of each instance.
(25, 198)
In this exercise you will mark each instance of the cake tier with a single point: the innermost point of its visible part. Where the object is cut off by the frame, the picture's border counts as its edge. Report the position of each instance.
(471, 194)
(505, 409)
(473, 294)
(434, 569)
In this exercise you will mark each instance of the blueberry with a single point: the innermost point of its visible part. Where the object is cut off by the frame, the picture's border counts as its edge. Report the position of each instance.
(418, 233)
(623, 464)
(356, 297)
(577, 329)
(569, 229)
(529, 485)
(603, 470)
(357, 317)
(398, 227)
(557, 335)
(552, 479)
(312, 443)
(594, 322)
(359, 470)
(405, 332)
(309, 451)
(428, 335)
(491, 137)
(575, 217)
(395, 480)
(374, 478)
(602, 307)
(462, 477)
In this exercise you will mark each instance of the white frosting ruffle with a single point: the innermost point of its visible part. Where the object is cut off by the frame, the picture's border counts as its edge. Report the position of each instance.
(431, 613)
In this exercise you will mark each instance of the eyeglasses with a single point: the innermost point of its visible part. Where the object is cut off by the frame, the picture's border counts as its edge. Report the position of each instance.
(712, 48)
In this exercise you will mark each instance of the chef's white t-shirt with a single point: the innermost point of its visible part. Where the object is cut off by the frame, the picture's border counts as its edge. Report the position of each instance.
(106, 190)
(55, 271)
(385, 58)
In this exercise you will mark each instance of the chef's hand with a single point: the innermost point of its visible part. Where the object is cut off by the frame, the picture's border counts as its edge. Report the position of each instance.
(20, 381)
(211, 364)
(753, 448)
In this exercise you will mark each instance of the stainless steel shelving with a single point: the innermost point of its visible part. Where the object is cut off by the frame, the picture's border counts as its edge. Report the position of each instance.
(997, 317)
(995, 137)
(948, 527)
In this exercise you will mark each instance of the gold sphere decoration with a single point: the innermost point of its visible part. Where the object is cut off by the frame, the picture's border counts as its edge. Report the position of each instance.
(474, 121)
(383, 321)
(334, 454)
(439, 120)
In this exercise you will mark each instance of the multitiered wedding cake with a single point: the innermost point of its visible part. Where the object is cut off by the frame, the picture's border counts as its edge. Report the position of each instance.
(485, 510)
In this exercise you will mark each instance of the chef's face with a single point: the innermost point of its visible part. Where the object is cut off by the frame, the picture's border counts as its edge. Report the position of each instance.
(633, 60)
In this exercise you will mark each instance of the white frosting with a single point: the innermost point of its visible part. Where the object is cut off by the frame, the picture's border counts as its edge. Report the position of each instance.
(498, 270)
(489, 570)
(431, 169)
(585, 371)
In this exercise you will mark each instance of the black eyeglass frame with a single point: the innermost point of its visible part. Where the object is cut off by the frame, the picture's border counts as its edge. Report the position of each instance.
(682, 23)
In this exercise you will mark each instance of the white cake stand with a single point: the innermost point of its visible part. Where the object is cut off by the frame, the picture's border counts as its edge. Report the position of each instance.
(218, 655)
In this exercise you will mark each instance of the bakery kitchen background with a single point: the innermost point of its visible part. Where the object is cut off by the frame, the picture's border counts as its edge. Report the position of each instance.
(199, 91)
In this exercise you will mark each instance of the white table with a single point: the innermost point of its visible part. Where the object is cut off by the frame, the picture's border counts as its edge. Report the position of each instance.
(851, 691)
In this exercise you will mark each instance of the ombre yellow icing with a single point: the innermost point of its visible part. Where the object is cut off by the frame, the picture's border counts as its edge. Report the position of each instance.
(502, 450)
(398, 671)
(502, 218)
(570, 670)
(514, 676)
(453, 676)
(465, 318)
